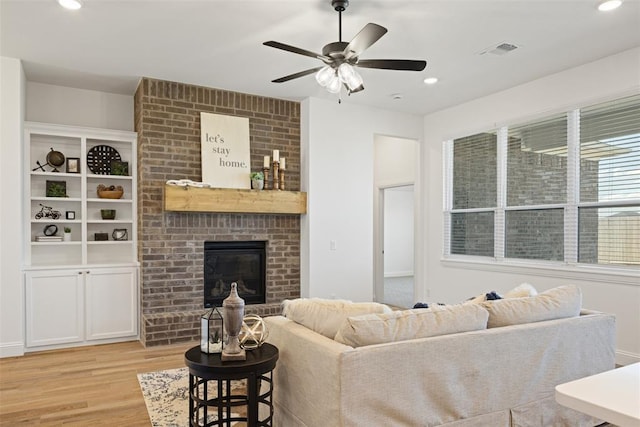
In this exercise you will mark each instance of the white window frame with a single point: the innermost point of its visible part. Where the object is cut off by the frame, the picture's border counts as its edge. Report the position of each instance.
(569, 268)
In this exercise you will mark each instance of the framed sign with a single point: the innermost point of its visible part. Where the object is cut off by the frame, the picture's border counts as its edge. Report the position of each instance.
(224, 143)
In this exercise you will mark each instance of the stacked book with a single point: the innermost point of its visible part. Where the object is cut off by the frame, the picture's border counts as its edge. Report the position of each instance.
(48, 238)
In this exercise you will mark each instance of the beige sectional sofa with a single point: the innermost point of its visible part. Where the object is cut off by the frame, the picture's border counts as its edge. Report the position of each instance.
(497, 376)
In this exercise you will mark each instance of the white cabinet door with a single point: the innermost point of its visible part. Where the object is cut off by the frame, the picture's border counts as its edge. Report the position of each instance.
(55, 307)
(111, 301)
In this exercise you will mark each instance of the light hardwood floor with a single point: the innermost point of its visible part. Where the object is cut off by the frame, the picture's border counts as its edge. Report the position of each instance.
(83, 386)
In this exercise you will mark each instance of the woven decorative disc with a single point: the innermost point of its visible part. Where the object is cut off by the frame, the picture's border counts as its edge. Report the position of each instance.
(99, 159)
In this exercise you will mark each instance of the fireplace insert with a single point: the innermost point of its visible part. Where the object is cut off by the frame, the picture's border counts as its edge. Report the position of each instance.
(241, 262)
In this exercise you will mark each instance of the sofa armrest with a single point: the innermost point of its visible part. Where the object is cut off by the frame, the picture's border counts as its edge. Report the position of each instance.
(307, 375)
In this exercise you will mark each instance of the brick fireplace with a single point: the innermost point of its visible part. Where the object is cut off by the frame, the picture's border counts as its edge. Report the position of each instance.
(171, 244)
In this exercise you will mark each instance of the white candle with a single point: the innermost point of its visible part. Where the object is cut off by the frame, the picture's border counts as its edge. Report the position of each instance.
(283, 164)
(266, 162)
(276, 155)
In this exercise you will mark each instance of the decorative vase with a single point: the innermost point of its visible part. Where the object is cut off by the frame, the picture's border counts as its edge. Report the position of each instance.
(257, 184)
(233, 316)
(67, 237)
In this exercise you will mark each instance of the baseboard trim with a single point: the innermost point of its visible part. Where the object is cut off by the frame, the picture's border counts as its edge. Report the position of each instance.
(11, 349)
(626, 358)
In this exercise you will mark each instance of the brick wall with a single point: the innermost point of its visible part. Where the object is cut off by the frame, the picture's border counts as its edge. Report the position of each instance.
(167, 119)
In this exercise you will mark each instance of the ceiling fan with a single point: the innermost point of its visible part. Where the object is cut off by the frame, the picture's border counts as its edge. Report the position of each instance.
(340, 57)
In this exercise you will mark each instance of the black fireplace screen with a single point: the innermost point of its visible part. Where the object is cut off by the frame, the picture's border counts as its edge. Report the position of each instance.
(240, 262)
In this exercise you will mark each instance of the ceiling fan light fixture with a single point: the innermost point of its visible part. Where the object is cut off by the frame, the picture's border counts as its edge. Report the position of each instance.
(607, 5)
(334, 85)
(70, 4)
(349, 76)
(325, 75)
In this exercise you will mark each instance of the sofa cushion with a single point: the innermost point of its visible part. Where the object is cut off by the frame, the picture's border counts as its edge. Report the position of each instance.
(556, 303)
(368, 329)
(325, 316)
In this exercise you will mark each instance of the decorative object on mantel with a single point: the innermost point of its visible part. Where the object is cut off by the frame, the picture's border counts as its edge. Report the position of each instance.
(110, 192)
(67, 234)
(225, 154)
(211, 331)
(283, 166)
(233, 316)
(254, 332)
(257, 180)
(276, 165)
(188, 183)
(100, 237)
(265, 170)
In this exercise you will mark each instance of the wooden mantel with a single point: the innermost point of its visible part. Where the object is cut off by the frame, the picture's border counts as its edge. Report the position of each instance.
(195, 199)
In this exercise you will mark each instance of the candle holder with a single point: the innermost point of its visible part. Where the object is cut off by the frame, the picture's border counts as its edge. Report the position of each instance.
(281, 179)
(211, 332)
(276, 176)
(265, 171)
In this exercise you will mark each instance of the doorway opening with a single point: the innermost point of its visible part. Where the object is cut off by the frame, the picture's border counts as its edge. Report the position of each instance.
(398, 245)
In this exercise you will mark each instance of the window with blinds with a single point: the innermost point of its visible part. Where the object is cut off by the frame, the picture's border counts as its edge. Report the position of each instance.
(565, 188)
(609, 208)
(474, 195)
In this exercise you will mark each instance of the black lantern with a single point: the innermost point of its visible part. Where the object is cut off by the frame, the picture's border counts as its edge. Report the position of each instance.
(211, 331)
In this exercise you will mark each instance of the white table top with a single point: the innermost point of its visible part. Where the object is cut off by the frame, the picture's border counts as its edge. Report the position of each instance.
(613, 396)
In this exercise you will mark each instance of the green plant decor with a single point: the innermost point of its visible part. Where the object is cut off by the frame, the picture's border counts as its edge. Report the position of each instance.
(257, 175)
(67, 230)
(56, 189)
(119, 168)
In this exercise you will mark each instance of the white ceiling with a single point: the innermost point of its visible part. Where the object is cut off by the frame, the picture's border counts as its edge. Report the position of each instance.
(109, 44)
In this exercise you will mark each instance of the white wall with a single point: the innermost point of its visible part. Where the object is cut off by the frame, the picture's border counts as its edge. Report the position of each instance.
(337, 157)
(11, 291)
(78, 107)
(451, 282)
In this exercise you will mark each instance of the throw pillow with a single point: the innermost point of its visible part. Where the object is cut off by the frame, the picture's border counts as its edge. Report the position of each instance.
(522, 290)
(368, 329)
(556, 303)
(325, 316)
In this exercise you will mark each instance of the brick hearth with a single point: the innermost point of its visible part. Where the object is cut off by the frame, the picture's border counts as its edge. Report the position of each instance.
(167, 119)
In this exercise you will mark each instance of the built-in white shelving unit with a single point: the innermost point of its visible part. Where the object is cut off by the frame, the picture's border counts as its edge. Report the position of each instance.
(80, 289)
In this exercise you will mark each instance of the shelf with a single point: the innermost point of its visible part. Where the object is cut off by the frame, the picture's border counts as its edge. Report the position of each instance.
(229, 200)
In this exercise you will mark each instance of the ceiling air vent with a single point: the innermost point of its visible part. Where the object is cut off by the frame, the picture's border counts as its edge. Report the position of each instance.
(500, 49)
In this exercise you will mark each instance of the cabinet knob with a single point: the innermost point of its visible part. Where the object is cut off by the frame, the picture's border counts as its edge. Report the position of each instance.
(88, 272)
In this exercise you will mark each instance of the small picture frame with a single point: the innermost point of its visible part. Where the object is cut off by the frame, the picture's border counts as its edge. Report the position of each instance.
(73, 165)
(70, 214)
(56, 189)
(119, 168)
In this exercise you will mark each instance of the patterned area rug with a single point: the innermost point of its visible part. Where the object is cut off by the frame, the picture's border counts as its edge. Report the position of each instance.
(166, 394)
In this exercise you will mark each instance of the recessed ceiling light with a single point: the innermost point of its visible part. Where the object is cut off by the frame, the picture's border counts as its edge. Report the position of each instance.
(431, 80)
(70, 4)
(396, 96)
(606, 5)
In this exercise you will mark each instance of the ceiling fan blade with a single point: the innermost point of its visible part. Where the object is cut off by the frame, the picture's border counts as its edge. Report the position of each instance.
(294, 49)
(392, 64)
(296, 75)
(370, 34)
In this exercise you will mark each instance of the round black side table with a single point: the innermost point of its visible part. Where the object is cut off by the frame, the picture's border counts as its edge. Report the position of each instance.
(205, 367)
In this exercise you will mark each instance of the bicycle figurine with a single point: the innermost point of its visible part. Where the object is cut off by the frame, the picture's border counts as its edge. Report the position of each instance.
(47, 212)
